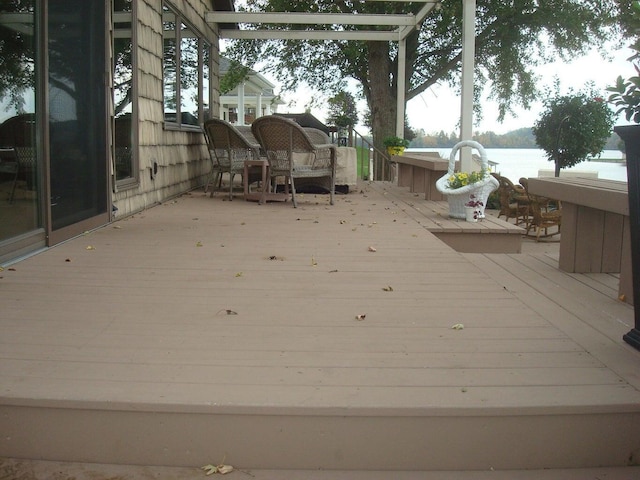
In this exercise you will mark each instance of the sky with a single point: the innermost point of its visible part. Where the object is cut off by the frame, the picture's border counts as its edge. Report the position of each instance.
(439, 108)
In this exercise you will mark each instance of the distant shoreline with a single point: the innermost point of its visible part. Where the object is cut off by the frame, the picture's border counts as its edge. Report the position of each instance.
(607, 160)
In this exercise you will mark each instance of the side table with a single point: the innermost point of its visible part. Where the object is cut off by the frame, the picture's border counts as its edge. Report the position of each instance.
(265, 195)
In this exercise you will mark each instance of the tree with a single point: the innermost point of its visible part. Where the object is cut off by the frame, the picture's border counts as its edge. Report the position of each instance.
(236, 74)
(342, 110)
(512, 37)
(573, 128)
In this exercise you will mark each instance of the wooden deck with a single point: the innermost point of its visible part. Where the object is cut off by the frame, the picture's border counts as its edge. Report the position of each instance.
(491, 235)
(203, 329)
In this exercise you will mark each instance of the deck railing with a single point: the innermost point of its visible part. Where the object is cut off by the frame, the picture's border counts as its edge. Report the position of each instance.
(373, 163)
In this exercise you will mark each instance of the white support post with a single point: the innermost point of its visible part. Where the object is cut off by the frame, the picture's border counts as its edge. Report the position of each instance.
(241, 104)
(401, 83)
(468, 65)
(258, 105)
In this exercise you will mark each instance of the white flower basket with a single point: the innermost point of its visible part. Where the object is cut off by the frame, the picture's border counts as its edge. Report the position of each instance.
(457, 197)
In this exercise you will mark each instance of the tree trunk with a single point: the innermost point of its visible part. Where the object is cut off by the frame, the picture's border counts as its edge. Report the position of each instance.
(382, 102)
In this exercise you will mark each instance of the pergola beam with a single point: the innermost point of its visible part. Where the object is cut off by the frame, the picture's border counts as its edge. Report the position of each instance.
(297, 18)
(390, 36)
(405, 24)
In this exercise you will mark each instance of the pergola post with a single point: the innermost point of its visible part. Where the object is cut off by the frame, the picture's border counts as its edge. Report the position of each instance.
(401, 85)
(468, 65)
(241, 104)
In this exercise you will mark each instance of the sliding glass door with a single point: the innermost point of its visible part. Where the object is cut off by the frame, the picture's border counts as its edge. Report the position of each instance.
(77, 116)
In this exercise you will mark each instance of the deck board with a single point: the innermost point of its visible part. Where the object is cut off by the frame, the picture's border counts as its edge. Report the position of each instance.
(209, 307)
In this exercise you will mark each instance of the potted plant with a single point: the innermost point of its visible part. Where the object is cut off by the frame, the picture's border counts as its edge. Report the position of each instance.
(626, 96)
(474, 209)
(460, 187)
(395, 145)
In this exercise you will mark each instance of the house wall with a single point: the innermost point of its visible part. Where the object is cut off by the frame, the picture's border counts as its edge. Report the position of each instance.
(171, 162)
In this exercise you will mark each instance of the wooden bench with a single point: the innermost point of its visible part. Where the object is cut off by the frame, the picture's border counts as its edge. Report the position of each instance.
(596, 235)
(420, 171)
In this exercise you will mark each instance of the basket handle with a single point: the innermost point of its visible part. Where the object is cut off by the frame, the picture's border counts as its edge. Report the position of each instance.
(467, 143)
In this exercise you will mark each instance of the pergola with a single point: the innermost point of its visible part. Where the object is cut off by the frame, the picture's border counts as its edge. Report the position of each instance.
(399, 28)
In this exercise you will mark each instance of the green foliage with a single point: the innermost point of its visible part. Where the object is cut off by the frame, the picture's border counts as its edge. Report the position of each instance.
(626, 93)
(511, 38)
(16, 58)
(236, 74)
(462, 179)
(342, 110)
(573, 128)
(395, 142)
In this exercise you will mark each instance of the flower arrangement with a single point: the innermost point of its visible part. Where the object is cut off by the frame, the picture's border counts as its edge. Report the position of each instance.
(395, 142)
(476, 204)
(462, 179)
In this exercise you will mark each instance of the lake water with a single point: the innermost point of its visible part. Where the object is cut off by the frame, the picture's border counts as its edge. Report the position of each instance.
(515, 163)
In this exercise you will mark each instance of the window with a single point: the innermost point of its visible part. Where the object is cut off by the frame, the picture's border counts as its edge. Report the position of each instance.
(125, 158)
(20, 187)
(186, 71)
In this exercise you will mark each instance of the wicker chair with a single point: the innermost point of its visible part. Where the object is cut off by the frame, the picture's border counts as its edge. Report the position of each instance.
(513, 200)
(292, 154)
(544, 214)
(228, 150)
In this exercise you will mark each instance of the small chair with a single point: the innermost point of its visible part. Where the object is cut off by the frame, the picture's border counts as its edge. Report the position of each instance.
(513, 201)
(9, 164)
(228, 150)
(543, 216)
(292, 154)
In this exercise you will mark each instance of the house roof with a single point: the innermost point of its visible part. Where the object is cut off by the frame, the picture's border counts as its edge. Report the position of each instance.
(255, 83)
(225, 6)
(305, 120)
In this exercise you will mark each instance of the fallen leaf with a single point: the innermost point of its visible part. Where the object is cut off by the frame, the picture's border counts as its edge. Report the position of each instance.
(458, 326)
(224, 469)
(239, 274)
(622, 297)
(313, 262)
(388, 288)
(210, 469)
(90, 247)
(361, 316)
(372, 249)
(199, 244)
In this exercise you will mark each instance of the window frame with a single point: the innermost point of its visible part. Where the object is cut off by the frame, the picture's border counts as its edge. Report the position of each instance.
(202, 43)
(133, 180)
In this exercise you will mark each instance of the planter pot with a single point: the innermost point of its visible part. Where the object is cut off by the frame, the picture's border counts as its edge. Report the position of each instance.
(630, 134)
(395, 150)
(458, 197)
(472, 215)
